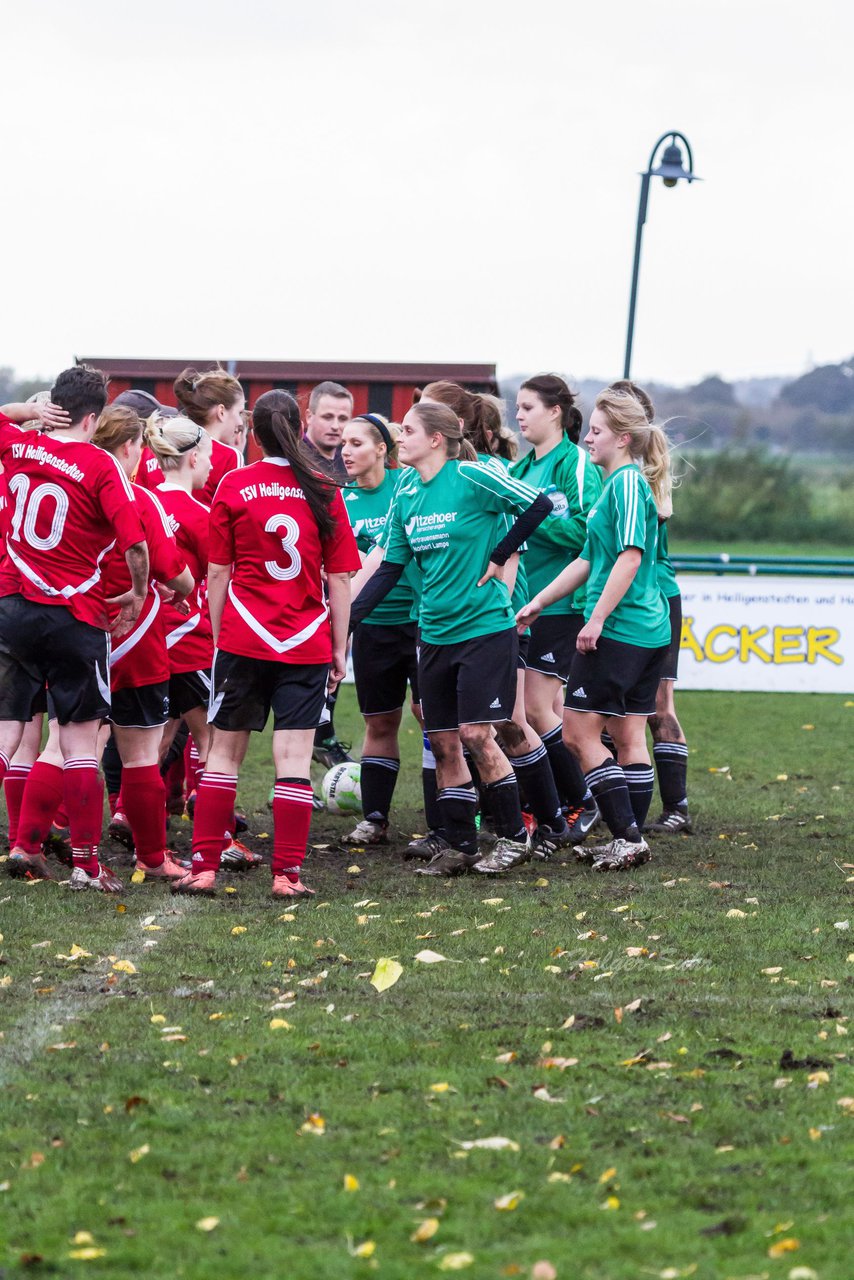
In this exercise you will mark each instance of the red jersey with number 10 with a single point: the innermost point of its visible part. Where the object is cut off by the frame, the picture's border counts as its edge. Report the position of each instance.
(262, 525)
(69, 503)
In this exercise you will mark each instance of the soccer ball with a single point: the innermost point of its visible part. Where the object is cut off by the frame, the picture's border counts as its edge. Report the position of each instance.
(342, 788)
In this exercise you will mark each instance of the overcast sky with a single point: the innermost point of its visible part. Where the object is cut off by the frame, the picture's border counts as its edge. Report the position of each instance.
(321, 179)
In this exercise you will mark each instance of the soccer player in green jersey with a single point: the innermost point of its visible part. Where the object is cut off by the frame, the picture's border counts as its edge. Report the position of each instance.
(483, 426)
(669, 745)
(621, 648)
(384, 659)
(550, 421)
(449, 516)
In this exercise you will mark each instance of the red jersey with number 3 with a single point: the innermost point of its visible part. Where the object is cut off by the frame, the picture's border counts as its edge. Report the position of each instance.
(189, 638)
(68, 504)
(261, 525)
(140, 657)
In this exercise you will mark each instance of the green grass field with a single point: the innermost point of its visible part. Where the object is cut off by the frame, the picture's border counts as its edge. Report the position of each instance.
(214, 1088)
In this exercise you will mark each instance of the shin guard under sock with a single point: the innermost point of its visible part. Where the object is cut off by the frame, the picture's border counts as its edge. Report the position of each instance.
(379, 776)
(608, 784)
(292, 808)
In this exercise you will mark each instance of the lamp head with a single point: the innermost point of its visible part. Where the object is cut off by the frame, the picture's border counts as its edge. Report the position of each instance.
(671, 168)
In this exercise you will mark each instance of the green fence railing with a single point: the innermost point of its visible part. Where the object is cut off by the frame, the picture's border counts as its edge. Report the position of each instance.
(778, 566)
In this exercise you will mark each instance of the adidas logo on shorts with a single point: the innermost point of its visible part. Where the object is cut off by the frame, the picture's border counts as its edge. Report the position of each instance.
(496, 703)
(579, 692)
(547, 657)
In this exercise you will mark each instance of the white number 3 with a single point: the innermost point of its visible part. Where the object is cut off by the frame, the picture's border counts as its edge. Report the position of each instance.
(289, 546)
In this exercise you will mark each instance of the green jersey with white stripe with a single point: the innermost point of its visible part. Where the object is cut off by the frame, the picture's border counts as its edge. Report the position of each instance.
(666, 577)
(567, 476)
(450, 525)
(521, 592)
(367, 511)
(626, 516)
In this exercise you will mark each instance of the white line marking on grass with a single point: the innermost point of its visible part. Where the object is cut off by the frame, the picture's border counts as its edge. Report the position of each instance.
(44, 1024)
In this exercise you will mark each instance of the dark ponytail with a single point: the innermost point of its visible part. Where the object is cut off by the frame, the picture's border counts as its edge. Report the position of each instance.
(554, 392)
(277, 426)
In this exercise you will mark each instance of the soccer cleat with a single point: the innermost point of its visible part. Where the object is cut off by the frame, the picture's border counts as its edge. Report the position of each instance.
(506, 855)
(119, 830)
(622, 855)
(545, 841)
(331, 751)
(582, 820)
(673, 821)
(104, 882)
(285, 888)
(236, 857)
(59, 844)
(28, 866)
(450, 862)
(202, 883)
(168, 869)
(486, 833)
(316, 803)
(426, 847)
(368, 831)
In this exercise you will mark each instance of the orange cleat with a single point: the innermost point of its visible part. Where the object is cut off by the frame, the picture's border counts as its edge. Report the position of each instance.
(202, 883)
(166, 870)
(28, 866)
(285, 888)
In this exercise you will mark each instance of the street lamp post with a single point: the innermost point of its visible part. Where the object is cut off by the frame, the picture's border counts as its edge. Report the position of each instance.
(670, 170)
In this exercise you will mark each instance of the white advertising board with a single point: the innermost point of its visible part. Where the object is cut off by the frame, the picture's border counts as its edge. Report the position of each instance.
(767, 634)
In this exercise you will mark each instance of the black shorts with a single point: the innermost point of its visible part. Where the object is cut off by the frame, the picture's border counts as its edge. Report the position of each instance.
(384, 662)
(473, 682)
(44, 644)
(615, 679)
(670, 670)
(144, 708)
(524, 646)
(552, 644)
(244, 690)
(188, 689)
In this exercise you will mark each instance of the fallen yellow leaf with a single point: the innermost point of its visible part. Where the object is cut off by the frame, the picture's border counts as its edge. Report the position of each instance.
(279, 1024)
(350, 1182)
(430, 957)
(456, 1261)
(607, 1176)
(124, 966)
(207, 1224)
(782, 1247)
(87, 1255)
(425, 1230)
(238, 929)
(315, 1124)
(366, 1249)
(83, 1237)
(138, 1152)
(385, 974)
(138, 876)
(506, 1204)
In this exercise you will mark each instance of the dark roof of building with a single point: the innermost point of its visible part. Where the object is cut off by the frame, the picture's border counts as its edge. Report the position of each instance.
(296, 370)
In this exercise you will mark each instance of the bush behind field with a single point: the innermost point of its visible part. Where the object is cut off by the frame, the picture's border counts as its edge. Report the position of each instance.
(751, 494)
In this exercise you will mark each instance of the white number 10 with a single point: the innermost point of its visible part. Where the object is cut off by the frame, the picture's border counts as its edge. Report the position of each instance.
(27, 512)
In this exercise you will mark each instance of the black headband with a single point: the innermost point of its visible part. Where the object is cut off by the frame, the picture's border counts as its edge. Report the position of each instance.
(193, 444)
(376, 421)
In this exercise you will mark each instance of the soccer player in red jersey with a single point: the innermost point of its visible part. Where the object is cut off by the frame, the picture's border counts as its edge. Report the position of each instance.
(215, 401)
(184, 452)
(70, 504)
(139, 664)
(148, 474)
(276, 526)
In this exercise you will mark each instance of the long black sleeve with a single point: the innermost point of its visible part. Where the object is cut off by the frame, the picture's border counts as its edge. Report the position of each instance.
(375, 589)
(527, 522)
